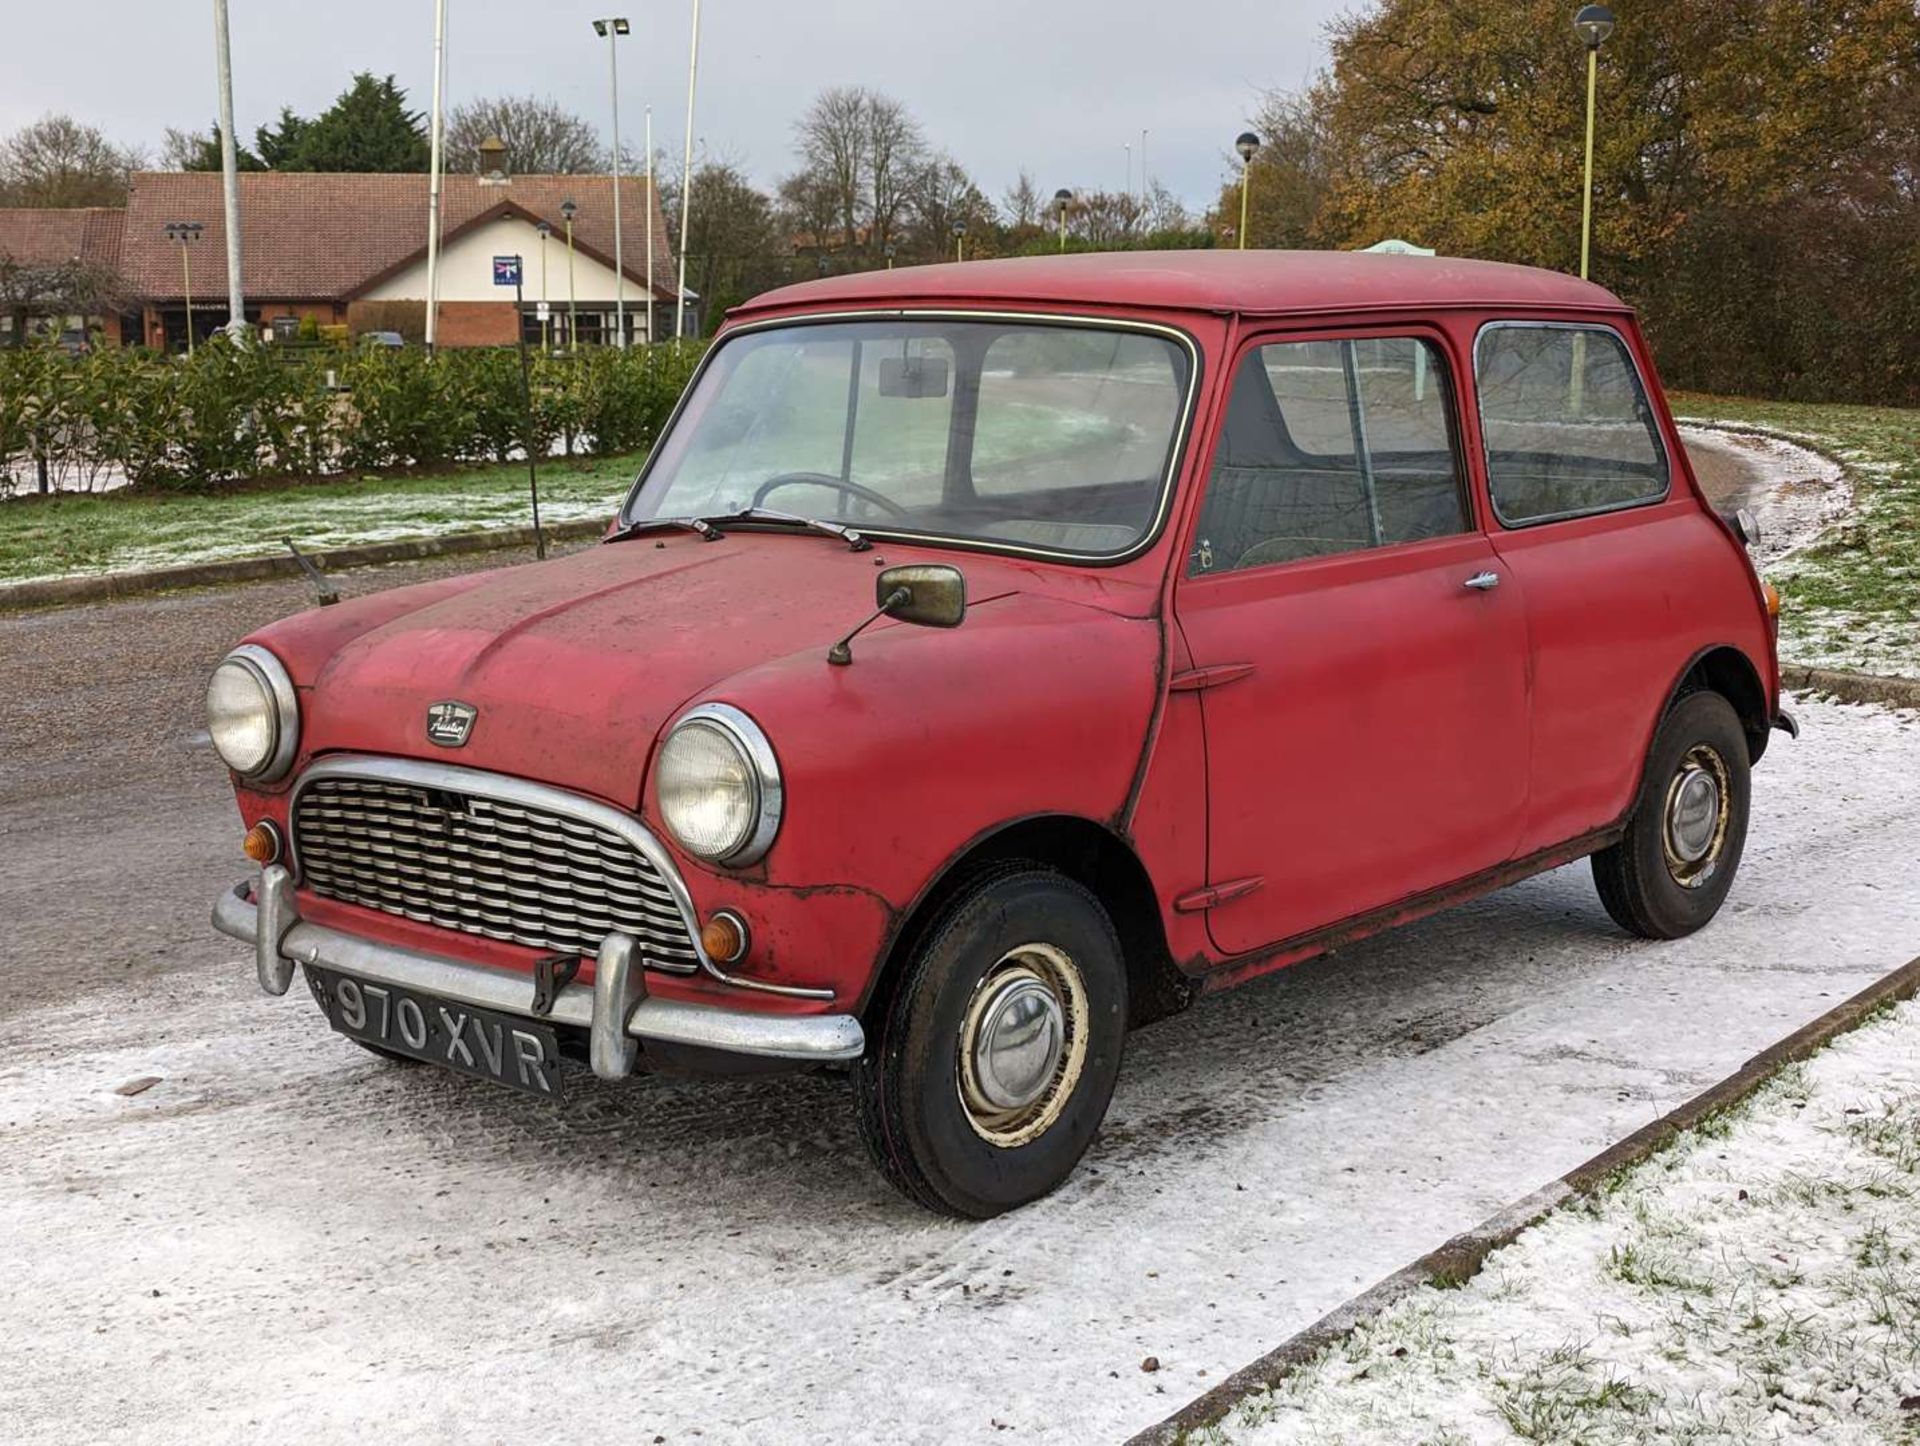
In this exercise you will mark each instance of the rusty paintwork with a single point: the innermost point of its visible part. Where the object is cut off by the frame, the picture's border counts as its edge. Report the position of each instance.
(1154, 705)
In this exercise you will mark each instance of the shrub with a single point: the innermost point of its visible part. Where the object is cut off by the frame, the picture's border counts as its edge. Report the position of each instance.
(230, 412)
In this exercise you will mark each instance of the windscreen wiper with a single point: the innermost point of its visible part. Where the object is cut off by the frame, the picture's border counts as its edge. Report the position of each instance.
(708, 532)
(855, 541)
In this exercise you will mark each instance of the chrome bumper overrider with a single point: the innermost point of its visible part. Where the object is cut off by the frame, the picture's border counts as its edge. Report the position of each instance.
(615, 1010)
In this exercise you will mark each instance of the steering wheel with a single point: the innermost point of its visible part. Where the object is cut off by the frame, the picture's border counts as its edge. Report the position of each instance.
(838, 484)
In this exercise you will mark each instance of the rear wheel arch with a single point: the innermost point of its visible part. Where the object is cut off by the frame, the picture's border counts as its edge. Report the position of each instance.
(1078, 849)
(1725, 670)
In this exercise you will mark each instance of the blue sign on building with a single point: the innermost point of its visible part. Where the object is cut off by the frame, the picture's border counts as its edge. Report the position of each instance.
(506, 271)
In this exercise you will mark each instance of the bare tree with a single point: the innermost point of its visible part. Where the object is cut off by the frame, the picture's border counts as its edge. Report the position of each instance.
(542, 136)
(944, 194)
(1107, 219)
(57, 161)
(808, 210)
(199, 151)
(833, 147)
(59, 290)
(896, 149)
(1021, 206)
(863, 152)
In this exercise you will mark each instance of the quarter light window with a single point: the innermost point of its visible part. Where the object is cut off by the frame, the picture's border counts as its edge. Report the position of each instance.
(1331, 446)
(1567, 426)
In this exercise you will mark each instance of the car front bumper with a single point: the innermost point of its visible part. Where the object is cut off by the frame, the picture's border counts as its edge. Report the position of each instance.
(615, 1010)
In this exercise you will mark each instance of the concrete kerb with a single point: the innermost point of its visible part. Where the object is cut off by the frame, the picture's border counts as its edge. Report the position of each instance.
(1851, 687)
(1461, 1258)
(62, 591)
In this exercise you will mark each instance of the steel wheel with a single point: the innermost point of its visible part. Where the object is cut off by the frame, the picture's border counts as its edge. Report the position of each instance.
(992, 1057)
(1681, 846)
(1699, 804)
(1022, 1044)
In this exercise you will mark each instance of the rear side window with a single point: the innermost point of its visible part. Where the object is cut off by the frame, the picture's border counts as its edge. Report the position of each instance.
(1331, 446)
(1567, 426)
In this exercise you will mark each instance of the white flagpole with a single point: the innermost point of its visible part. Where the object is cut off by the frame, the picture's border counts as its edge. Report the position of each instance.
(650, 296)
(229, 175)
(434, 160)
(686, 177)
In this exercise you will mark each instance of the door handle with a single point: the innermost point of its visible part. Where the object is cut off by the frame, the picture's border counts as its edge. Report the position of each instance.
(1483, 581)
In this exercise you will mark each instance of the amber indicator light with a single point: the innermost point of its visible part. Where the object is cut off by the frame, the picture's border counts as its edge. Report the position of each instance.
(724, 938)
(262, 843)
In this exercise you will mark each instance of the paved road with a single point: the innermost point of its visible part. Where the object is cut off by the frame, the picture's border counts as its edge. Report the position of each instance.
(286, 1239)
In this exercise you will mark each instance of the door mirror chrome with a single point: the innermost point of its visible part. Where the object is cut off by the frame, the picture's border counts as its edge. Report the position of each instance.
(936, 594)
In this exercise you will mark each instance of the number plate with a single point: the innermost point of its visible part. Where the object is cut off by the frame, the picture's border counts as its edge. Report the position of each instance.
(503, 1048)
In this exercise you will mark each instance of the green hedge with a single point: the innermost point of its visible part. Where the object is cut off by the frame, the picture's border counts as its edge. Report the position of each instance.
(230, 413)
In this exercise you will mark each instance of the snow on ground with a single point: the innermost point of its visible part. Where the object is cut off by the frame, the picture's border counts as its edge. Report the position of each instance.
(1795, 492)
(287, 1239)
(1759, 1281)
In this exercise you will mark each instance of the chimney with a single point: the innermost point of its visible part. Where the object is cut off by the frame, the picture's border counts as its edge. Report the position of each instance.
(493, 162)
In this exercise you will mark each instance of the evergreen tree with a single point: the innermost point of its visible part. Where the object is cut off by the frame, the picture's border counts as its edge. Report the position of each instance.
(369, 128)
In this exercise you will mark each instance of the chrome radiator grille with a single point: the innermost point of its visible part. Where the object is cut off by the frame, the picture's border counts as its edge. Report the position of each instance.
(484, 866)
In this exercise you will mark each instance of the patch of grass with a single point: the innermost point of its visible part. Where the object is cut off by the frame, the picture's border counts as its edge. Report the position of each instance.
(67, 535)
(1853, 598)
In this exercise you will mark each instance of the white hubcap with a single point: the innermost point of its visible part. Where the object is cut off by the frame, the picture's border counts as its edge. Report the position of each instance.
(1023, 1042)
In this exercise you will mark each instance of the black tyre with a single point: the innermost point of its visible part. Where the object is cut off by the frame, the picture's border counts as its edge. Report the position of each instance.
(1670, 872)
(993, 1060)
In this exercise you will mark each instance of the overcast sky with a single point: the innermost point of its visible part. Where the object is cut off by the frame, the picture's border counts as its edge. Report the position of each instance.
(1057, 86)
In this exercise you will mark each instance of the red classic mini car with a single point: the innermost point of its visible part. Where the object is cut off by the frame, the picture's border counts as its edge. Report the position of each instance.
(992, 657)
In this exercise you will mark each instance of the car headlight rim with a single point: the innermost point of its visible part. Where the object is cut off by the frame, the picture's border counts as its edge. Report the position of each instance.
(765, 791)
(281, 709)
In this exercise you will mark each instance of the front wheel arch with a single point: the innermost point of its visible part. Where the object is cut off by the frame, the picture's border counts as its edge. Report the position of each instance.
(1078, 849)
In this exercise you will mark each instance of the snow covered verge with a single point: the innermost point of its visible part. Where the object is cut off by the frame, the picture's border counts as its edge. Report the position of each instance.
(1795, 492)
(1838, 490)
(1757, 1281)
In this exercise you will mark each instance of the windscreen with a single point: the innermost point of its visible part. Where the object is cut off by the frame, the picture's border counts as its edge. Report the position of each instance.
(1055, 437)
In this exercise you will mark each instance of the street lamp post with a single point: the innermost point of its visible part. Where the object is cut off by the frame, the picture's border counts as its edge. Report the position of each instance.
(1593, 25)
(887, 250)
(546, 311)
(1247, 144)
(959, 240)
(1062, 199)
(567, 210)
(183, 234)
(612, 28)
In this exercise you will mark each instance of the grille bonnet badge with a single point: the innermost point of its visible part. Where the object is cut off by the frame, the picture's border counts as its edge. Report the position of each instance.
(449, 724)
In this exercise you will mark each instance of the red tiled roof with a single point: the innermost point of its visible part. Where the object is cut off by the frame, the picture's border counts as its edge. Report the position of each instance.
(327, 235)
(54, 238)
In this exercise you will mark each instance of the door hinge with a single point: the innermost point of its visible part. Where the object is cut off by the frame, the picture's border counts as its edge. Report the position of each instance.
(1194, 679)
(1196, 901)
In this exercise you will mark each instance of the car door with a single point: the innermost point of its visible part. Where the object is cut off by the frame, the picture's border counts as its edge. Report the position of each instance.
(1360, 652)
(1580, 483)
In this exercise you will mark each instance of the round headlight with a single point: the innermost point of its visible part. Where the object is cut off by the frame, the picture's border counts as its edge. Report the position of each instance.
(253, 715)
(719, 785)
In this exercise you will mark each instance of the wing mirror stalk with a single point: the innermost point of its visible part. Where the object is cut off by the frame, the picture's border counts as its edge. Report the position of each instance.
(932, 595)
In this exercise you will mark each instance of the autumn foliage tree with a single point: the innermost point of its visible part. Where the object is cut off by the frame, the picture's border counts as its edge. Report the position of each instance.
(1756, 170)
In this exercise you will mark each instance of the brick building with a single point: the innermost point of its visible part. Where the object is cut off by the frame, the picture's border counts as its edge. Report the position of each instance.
(351, 249)
(55, 261)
